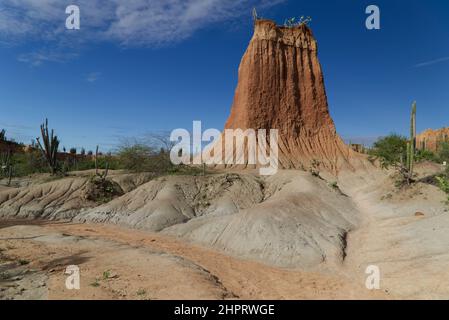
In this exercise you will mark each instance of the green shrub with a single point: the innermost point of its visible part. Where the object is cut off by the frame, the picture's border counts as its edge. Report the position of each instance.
(141, 292)
(28, 163)
(142, 158)
(101, 190)
(443, 183)
(443, 152)
(23, 262)
(425, 155)
(333, 184)
(88, 163)
(96, 283)
(182, 170)
(134, 157)
(106, 274)
(389, 150)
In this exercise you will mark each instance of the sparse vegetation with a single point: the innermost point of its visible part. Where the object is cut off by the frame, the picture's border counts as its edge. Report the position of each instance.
(141, 157)
(6, 167)
(29, 163)
(443, 181)
(255, 15)
(106, 274)
(96, 283)
(136, 157)
(443, 152)
(23, 262)
(42, 156)
(101, 190)
(141, 292)
(315, 168)
(293, 22)
(390, 152)
(333, 185)
(425, 155)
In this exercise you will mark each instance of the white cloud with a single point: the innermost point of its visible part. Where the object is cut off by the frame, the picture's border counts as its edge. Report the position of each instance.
(431, 62)
(93, 77)
(158, 22)
(41, 56)
(125, 22)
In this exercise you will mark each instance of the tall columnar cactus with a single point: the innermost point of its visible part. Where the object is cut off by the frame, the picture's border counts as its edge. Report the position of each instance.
(104, 174)
(50, 147)
(411, 145)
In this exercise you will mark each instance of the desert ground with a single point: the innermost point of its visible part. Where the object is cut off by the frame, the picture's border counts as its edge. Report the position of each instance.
(226, 235)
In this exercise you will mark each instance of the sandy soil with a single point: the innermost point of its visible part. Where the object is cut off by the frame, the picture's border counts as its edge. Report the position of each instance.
(227, 235)
(118, 263)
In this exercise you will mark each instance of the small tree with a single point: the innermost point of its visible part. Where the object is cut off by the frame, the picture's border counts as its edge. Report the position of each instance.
(135, 157)
(50, 146)
(390, 150)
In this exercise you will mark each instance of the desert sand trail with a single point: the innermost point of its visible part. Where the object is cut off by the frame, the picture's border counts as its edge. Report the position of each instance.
(143, 265)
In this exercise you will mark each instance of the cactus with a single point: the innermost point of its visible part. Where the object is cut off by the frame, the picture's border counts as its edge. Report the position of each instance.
(96, 162)
(10, 172)
(411, 144)
(50, 147)
(6, 166)
(104, 174)
(255, 16)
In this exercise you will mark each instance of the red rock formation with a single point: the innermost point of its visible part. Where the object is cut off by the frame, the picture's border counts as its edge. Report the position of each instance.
(430, 139)
(281, 87)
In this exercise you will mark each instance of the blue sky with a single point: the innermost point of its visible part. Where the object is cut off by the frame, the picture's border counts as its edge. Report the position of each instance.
(149, 65)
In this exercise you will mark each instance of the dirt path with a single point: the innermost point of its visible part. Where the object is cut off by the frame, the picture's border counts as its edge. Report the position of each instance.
(403, 232)
(118, 263)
